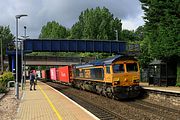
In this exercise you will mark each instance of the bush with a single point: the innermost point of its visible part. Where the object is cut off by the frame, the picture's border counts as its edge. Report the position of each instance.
(4, 79)
(2, 88)
(178, 84)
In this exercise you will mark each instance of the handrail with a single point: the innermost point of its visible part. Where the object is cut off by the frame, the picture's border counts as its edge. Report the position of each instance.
(8, 85)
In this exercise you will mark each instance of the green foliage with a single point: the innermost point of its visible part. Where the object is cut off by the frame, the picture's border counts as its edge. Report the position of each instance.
(53, 30)
(128, 35)
(178, 84)
(133, 36)
(4, 79)
(139, 33)
(96, 55)
(2, 87)
(138, 37)
(6, 36)
(96, 24)
(178, 73)
(144, 57)
(162, 27)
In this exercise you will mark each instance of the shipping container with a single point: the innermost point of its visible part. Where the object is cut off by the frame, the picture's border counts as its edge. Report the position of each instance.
(63, 74)
(53, 75)
(48, 74)
(43, 72)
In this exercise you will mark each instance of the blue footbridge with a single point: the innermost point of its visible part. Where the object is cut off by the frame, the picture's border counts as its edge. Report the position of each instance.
(66, 45)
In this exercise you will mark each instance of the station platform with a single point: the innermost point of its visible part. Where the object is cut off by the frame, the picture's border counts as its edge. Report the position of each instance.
(170, 89)
(46, 103)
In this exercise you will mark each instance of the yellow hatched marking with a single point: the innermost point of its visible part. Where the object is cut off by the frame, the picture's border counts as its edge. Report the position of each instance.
(50, 103)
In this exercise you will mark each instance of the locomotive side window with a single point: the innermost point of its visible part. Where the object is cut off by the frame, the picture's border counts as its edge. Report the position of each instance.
(82, 73)
(118, 68)
(77, 72)
(97, 73)
(131, 67)
(108, 69)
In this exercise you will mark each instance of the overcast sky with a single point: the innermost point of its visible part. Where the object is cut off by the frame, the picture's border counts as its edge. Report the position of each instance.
(66, 12)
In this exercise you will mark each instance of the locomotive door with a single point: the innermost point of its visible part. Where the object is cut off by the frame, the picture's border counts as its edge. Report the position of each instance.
(118, 73)
(107, 74)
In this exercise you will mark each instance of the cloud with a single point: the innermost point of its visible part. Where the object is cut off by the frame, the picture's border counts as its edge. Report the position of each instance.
(66, 12)
(133, 23)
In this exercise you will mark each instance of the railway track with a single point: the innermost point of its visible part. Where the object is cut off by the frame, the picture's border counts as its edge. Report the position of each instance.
(118, 110)
(164, 112)
(99, 111)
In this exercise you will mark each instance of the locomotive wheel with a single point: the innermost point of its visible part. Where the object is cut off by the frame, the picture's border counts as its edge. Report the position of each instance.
(104, 91)
(98, 89)
(109, 92)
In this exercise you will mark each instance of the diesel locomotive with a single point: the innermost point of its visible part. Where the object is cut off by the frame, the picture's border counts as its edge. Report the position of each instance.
(116, 77)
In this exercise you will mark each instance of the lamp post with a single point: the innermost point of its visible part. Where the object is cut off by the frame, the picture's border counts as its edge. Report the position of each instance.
(17, 84)
(2, 54)
(22, 58)
(116, 35)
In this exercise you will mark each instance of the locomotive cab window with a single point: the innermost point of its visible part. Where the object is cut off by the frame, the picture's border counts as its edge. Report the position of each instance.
(108, 69)
(118, 68)
(131, 67)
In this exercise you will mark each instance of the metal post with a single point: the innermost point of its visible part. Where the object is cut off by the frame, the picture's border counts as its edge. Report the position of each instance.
(17, 84)
(24, 72)
(2, 54)
(22, 64)
(116, 35)
(22, 58)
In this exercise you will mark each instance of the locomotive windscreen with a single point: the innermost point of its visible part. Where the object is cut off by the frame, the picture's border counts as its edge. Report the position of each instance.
(131, 67)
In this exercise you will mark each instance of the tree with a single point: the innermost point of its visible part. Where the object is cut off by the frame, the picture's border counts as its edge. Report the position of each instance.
(128, 35)
(6, 36)
(140, 33)
(53, 30)
(96, 24)
(162, 26)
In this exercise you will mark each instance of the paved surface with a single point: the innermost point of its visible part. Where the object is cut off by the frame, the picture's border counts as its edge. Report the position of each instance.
(48, 104)
(159, 88)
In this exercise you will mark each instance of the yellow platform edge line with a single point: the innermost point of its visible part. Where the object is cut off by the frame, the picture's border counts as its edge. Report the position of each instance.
(50, 103)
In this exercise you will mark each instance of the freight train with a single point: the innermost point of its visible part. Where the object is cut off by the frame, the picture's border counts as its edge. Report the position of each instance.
(116, 77)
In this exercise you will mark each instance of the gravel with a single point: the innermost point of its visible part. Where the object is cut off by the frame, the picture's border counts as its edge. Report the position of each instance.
(8, 106)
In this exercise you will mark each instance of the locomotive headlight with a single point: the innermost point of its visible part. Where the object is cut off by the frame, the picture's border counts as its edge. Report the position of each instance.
(125, 79)
(117, 81)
